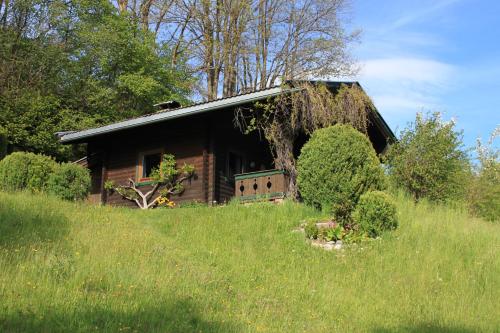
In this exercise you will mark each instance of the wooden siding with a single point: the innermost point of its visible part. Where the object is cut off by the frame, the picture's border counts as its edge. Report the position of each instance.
(186, 140)
(204, 141)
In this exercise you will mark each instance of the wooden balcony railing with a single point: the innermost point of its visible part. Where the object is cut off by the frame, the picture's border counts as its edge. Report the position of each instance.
(267, 184)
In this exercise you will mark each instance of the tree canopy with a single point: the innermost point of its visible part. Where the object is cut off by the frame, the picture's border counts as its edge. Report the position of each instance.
(69, 65)
(78, 64)
(429, 161)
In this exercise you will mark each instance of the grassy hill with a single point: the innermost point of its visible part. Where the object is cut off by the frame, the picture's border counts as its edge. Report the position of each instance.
(74, 267)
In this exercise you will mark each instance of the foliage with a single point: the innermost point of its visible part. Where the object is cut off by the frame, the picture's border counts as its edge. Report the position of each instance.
(3, 142)
(166, 181)
(165, 202)
(78, 64)
(312, 106)
(428, 160)
(69, 182)
(334, 232)
(330, 231)
(25, 171)
(311, 230)
(484, 193)
(375, 213)
(121, 269)
(336, 166)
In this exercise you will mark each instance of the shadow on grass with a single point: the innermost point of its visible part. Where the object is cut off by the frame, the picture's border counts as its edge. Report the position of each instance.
(179, 317)
(425, 328)
(22, 224)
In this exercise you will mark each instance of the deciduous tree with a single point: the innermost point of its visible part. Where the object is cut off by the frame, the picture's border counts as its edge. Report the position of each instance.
(428, 160)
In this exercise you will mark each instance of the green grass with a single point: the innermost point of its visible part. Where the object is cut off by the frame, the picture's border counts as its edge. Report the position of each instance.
(77, 268)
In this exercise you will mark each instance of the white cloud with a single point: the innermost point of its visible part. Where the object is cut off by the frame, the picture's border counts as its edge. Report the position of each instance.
(412, 70)
(401, 86)
(421, 14)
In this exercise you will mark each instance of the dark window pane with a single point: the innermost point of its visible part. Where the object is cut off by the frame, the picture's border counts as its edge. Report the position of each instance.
(235, 164)
(149, 163)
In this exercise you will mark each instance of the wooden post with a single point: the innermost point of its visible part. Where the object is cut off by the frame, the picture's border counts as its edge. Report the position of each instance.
(104, 177)
(211, 165)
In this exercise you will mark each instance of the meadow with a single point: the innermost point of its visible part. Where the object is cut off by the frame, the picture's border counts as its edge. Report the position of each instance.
(73, 267)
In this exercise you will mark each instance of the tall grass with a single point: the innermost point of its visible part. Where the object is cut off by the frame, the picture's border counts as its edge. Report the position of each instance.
(78, 268)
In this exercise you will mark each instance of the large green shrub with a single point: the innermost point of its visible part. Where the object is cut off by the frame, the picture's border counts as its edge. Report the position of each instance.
(375, 213)
(70, 182)
(428, 160)
(25, 171)
(336, 166)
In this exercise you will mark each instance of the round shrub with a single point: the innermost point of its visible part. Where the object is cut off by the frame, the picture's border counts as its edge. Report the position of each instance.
(375, 213)
(25, 171)
(336, 166)
(70, 182)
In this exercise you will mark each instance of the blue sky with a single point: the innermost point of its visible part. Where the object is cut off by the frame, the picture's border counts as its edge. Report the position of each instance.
(441, 55)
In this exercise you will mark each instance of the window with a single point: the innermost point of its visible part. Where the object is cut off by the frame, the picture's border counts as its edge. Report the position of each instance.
(234, 164)
(148, 161)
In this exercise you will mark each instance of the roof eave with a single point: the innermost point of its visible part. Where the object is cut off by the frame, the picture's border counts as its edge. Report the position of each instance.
(172, 114)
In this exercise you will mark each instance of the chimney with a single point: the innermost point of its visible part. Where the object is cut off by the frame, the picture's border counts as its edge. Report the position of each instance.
(167, 106)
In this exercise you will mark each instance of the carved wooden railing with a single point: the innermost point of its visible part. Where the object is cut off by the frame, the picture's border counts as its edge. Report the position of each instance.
(267, 184)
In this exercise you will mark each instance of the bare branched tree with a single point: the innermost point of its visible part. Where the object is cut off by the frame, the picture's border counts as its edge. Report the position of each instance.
(290, 40)
(244, 45)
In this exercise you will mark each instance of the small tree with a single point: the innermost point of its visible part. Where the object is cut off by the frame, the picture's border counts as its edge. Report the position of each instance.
(428, 160)
(166, 181)
(484, 193)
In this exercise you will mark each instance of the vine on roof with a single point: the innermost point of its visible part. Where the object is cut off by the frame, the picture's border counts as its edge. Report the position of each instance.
(312, 106)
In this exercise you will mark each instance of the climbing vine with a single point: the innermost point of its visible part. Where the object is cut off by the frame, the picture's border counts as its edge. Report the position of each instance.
(309, 106)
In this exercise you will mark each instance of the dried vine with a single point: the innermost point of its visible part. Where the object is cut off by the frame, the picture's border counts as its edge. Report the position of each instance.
(308, 107)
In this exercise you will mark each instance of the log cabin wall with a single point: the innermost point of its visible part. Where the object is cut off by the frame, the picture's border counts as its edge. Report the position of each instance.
(205, 141)
(185, 138)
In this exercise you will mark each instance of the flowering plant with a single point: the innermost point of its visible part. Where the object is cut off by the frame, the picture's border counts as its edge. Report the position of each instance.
(164, 201)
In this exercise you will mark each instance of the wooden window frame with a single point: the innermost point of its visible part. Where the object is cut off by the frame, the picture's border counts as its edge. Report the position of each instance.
(140, 163)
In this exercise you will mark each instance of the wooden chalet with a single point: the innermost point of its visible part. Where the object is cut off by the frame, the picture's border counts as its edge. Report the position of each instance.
(227, 162)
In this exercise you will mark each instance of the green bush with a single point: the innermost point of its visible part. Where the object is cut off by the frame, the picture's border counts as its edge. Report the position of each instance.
(336, 166)
(334, 232)
(484, 193)
(25, 171)
(311, 230)
(70, 182)
(3, 143)
(428, 160)
(375, 213)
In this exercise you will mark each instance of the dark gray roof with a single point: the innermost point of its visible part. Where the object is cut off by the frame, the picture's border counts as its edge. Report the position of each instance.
(70, 137)
(176, 113)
